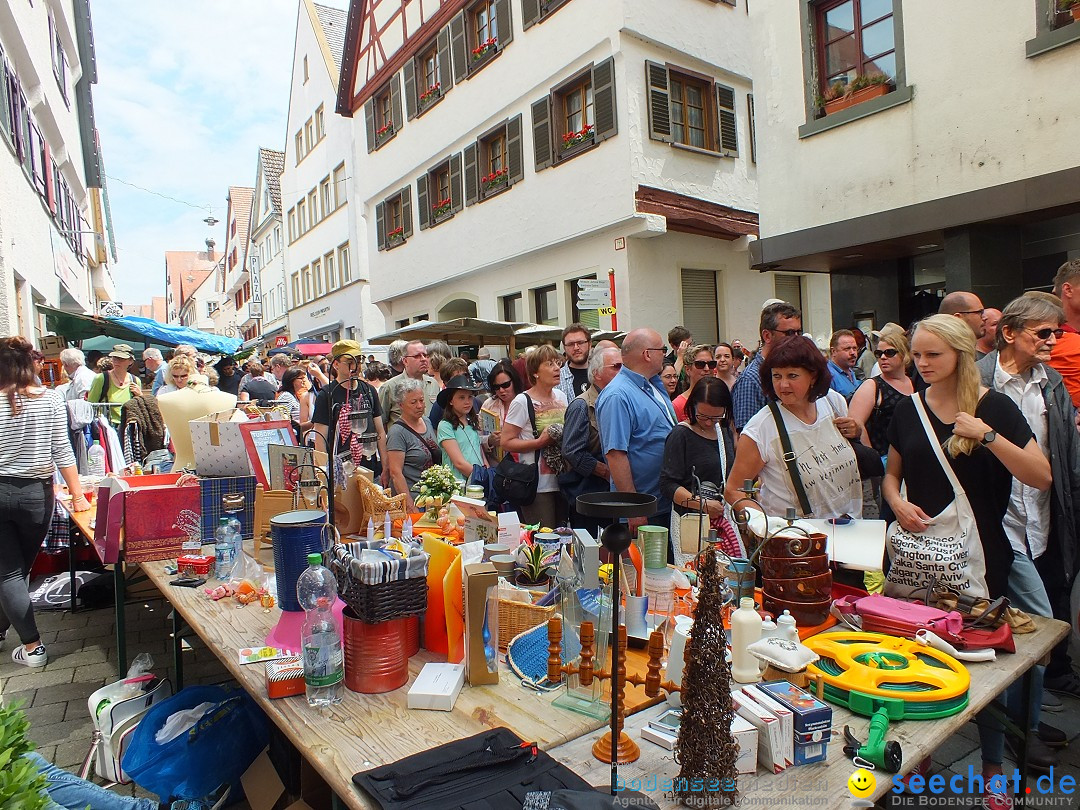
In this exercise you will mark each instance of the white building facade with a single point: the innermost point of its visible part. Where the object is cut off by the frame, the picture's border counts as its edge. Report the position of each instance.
(56, 237)
(958, 173)
(266, 254)
(325, 278)
(507, 149)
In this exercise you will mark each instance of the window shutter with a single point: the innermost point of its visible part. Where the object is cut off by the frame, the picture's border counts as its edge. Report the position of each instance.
(369, 122)
(603, 82)
(5, 124)
(406, 211)
(422, 202)
(699, 304)
(458, 51)
(530, 13)
(456, 202)
(446, 72)
(753, 127)
(514, 160)
(725, 108)
(472, 179)
(788, 288)
(503, 24)
(409, 72)
(541, 123)
(380, 227)
(395, 103)
(656, 77)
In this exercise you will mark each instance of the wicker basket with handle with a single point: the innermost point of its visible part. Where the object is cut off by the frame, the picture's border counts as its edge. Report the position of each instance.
(517, 617)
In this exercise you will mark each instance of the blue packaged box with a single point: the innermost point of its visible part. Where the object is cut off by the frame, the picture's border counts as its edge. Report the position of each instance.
(813, 720)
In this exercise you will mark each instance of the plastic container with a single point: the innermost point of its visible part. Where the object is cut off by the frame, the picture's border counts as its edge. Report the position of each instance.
(224, 550)
(95, 460)
(320, 637)
(745, 630)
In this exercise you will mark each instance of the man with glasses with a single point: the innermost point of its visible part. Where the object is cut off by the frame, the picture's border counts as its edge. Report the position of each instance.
(635, 416)
(414, 367)
(779, 321)
(843, 351)
(581, 447)
(574, 374)
(966, 306)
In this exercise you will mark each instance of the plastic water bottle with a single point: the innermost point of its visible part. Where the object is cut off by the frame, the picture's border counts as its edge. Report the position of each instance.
(95, 460)
(324, 660)
(224, 550)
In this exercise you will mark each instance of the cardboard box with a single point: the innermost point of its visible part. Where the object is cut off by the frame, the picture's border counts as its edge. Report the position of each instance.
(148, 516)
(481, 606)
(746, 737)
(52, 345)
(663, 738)
(770, 741)
(783, 714)
(285, 677)
(481, 526)
(812, 720)
(437, 687)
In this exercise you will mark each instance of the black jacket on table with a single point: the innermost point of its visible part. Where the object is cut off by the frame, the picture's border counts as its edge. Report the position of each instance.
(1064, 464)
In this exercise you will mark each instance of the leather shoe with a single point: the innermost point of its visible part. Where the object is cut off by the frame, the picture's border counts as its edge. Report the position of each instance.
(1053, 737)
(1040, 756)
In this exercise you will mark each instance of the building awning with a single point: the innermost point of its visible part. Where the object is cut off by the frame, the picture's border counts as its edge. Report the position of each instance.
(133, 329)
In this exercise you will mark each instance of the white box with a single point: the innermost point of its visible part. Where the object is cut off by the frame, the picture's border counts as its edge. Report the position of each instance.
(746, 737)
(770, 742)
(661, 738)
(783, 714)
(510, 530)
(437, 687)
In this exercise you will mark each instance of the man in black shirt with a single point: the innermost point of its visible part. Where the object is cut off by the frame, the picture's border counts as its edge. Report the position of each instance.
(348, 385)
(574, 375)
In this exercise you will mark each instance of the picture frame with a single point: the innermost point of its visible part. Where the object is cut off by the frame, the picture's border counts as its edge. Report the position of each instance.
(258, 436)
(284, 457)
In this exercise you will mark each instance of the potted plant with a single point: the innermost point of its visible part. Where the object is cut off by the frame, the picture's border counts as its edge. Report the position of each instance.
(437, 485)
(497, 179)
(395, 237)
(429, 95)
(863, 87)
(572, 139)
(485, 48)
(20, 783)
(441, 209)
(383, 133)
(533, 564)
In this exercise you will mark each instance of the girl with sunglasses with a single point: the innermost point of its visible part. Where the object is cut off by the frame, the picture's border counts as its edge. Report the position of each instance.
(504, 383)
(876, 399)
(698, 362)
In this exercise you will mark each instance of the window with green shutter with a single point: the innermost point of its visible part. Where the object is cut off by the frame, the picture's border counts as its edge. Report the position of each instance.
(690, 109)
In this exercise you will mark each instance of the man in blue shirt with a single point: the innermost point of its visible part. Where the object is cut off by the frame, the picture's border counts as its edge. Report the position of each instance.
(779, 321)
(635, 416)
(843, 350)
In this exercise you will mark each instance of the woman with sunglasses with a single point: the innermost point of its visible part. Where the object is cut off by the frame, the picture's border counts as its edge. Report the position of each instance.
(698, 363)
(504, 384)
(876, 399)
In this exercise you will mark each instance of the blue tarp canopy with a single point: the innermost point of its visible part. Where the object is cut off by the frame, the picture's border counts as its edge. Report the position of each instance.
(132, 329)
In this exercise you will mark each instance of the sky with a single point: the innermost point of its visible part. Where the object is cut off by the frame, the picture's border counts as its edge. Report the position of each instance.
(187, 92)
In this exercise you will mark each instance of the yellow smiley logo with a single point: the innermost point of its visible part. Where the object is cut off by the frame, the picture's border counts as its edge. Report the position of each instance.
(861, 783)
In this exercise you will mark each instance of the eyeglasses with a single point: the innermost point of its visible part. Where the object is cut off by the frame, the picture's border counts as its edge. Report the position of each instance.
(572, 343)
(615, 366)
(669, 376)
(710, 420)
(501, 386)
(788, 332)
(1044, 334)
(421, 354)
(978, 312)
(702, 364)
(655, 350)
(879, 353)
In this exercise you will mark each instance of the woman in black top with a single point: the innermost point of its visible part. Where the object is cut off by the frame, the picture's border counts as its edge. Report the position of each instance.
(987, 442)
(876, 399)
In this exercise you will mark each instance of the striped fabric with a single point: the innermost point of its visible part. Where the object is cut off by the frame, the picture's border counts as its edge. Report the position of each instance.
(395, 567)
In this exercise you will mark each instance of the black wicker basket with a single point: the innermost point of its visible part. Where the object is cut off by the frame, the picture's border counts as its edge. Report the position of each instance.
(379, 603)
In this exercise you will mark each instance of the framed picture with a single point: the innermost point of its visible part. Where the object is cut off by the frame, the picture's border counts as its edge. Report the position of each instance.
(285, 459)
(257, 437)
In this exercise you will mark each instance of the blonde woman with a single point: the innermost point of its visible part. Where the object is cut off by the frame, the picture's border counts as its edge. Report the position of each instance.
(876, 399)
(177, 374)
(986, 441)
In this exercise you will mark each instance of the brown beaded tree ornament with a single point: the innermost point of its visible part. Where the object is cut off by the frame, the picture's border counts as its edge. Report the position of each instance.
(706, 751)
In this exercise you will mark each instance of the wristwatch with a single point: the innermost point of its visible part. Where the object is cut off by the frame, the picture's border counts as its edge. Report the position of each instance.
(989, 436)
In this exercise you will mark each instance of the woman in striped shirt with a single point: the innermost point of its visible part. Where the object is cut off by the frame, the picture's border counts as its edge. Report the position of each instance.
(33, 439)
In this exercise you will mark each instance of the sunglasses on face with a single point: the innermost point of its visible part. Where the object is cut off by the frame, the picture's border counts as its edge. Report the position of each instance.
(615, 366)
(879, 353)
(1044, 334)
(702, 364)
(502, 386)
(788, 332)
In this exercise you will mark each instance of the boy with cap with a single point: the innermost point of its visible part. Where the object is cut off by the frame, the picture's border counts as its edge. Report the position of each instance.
(354, 393)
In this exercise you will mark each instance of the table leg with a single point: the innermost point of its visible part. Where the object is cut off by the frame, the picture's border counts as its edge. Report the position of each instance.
(72, 535)
(120, 598)
(178, 628)
(1025, 729)
(336, 803)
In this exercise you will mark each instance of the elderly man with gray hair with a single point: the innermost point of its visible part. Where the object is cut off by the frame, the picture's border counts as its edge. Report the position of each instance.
(153, 361)
(81, 377)
(395, 355)
(582, 450)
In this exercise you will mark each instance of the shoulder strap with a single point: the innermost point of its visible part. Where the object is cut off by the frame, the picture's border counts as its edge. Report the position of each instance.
(936, 445)
(532, 415)
(789, 458)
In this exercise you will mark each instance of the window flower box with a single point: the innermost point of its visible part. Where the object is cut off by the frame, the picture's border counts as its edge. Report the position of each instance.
(384, 133)
(573, 139)
(485, 49)
(496, 180)
(441, 209)
(430, 96)
(395, 237)
(863, 88)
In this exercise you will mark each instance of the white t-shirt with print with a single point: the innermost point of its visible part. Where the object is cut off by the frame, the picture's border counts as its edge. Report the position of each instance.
(518, 414)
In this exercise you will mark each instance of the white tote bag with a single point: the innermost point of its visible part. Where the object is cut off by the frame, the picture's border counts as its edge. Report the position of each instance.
(949, 550)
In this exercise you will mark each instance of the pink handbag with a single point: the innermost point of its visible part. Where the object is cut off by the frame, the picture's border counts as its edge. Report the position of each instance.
(883, 614)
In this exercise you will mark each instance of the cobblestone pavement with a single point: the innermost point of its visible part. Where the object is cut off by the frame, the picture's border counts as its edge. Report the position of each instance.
(82, 658)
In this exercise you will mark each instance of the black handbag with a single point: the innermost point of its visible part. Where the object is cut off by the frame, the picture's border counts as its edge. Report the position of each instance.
(515, 483)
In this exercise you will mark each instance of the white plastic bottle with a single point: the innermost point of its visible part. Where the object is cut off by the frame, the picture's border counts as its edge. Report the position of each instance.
(95, 460)
(370, 530)
(324, 660)
(745, 630)
(387, 523)
(224, 550)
